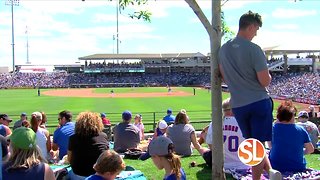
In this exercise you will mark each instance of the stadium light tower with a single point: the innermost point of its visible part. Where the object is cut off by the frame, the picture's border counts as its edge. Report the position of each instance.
(12, 3)
(117, 6)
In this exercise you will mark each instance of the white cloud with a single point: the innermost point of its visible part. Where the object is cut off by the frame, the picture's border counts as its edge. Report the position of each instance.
(292, 13)
(286, 26)
(285, 40)
(236, 4)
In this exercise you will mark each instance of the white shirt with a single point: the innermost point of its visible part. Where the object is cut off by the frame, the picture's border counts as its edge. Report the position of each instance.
(232, 136)
(42, 142)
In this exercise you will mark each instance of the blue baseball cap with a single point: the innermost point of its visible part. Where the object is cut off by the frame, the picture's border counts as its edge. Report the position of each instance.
(169, 111)
(126, 115)
(103, 115)
(23, 114)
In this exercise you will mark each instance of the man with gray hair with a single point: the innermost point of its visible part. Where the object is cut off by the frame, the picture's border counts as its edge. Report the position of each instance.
(126, 135)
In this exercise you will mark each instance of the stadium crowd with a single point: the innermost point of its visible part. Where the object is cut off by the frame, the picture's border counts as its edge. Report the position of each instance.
(299, 86)
(302, 87)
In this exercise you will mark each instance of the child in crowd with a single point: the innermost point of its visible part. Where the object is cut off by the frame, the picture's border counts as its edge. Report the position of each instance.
(138, 123)
(161, 129)
(161, 150)
(105, 120)
(289, 142)
(108, 166)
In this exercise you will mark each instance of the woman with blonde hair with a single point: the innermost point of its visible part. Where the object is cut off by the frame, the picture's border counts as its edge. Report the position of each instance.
(161, 150)
(108, 166)
(25, 161)
(44, 120)
(183, 134)
(138, 123)
(87, 143)
(43, 135)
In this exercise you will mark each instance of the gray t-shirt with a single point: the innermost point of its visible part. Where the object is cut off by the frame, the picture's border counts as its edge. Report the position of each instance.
(125, 136)
(312, 130)
(241, 60)
(180, 134)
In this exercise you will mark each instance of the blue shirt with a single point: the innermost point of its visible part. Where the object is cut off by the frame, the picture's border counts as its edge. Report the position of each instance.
(94, 177)
(36, 172)
(173, 176)
(288, 142)
(3, 131)
(61, 137)
(169, 118)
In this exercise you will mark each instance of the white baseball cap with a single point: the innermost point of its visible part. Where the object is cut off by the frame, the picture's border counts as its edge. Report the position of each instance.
(162, 124)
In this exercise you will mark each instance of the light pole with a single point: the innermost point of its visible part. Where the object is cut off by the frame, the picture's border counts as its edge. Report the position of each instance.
(117, 26)
(28, 62)
(12, 3)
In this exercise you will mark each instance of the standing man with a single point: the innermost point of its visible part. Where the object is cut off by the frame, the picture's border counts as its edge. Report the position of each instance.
(23, 117)
(243, 66)
(62, 133)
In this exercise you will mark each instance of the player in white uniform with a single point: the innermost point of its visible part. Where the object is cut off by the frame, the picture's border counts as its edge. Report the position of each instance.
(232, 137)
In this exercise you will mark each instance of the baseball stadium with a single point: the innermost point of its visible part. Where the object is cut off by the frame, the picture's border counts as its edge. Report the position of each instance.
(149, 85)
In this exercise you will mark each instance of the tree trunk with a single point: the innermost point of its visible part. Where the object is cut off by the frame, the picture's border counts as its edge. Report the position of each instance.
(216, 96)
(214, 32)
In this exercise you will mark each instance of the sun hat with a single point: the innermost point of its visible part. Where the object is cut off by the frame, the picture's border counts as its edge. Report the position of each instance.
(303, 114)
(23, 138)
(159, 146)
(126, 115)
(162, 124)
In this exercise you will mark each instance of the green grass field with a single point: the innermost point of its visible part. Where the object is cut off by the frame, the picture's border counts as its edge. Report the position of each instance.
(13, 102)
(26, 100)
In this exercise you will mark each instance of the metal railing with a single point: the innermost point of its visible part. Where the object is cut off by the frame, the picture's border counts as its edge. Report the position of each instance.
(198, 119)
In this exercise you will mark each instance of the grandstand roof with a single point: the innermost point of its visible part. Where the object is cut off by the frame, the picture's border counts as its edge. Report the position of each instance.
(276, 50)
(141, 56)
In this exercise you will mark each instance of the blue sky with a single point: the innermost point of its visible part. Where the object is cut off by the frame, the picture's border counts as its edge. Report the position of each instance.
(61, 31)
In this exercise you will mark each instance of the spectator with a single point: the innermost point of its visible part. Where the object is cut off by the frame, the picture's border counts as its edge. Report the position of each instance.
(169, 118)
(126, 135)
(23, 117)
(243, 66)
(44, 120)
(232, 136)
(4, 148)
(25, 161)
(86, 144)
(310, 127)
(108, 166)
(4, 125)
(42, 135)
(289, 142)
(138, 123)
(105, 120)
(161, 129)
(161, 150)
(312, 113)
(62, 133)
(183, 134)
